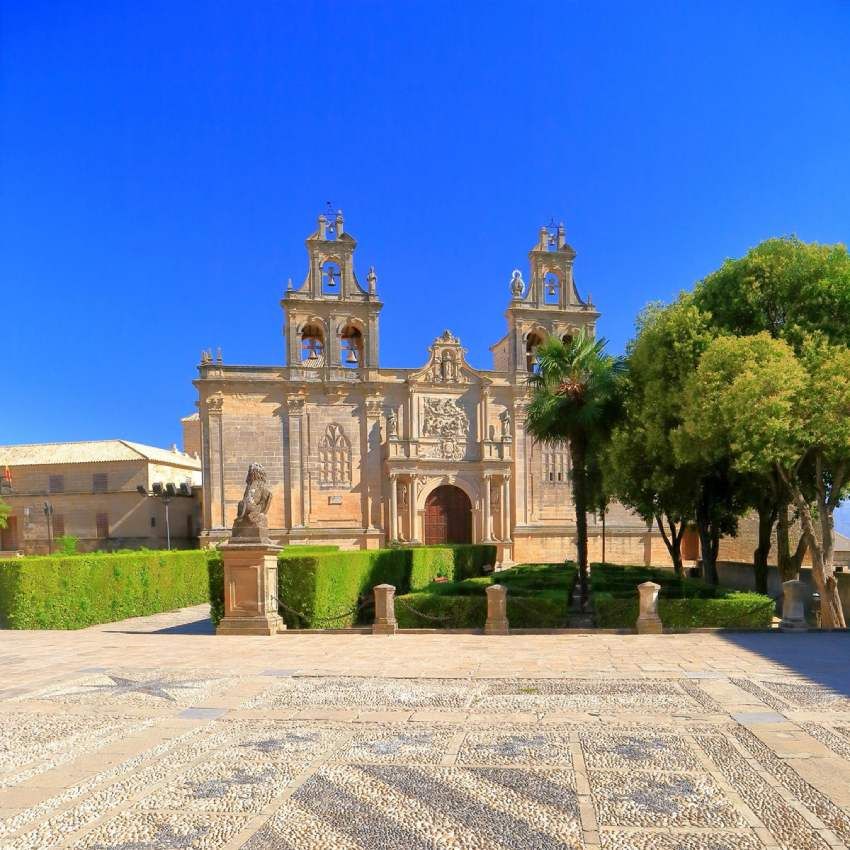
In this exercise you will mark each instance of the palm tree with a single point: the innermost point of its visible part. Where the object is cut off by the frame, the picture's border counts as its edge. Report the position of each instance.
(575, 399)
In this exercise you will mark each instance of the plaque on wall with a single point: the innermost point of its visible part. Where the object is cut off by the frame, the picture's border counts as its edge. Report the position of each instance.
(334, 500)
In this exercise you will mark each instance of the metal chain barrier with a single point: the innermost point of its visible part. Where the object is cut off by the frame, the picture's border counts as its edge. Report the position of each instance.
(366, 603)
(422, 614)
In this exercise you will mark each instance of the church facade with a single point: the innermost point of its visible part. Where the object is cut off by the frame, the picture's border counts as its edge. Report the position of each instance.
(363, 456)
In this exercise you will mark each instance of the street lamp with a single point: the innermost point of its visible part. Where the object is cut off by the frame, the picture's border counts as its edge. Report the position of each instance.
(164, 494)
(48, 515)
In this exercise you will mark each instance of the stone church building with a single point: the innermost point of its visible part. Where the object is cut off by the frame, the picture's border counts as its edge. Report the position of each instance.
(364, 456)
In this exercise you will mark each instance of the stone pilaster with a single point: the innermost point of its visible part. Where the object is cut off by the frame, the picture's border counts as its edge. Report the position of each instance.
(215, 466)
(393, 507)
(295, 431)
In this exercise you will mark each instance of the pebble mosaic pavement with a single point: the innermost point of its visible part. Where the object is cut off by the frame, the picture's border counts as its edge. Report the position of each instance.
(136, 736)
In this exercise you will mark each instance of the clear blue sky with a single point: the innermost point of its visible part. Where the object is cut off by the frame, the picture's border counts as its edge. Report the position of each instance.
(163, 162)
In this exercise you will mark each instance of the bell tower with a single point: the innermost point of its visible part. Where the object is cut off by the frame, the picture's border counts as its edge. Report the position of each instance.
(548, 305)
(331, 321)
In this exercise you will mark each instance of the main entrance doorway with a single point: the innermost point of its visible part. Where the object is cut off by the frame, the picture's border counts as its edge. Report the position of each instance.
(448, 516)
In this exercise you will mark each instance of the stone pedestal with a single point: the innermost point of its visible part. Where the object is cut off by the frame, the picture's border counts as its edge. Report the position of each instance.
(794, 594)
(385, 621)
(497, 610)
(250, 589)
(648, 621)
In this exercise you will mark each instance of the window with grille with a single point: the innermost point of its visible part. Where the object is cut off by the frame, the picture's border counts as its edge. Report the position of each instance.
(56, 483)
(334, 458)
(556, 464)
(102, 522)
(100, 482)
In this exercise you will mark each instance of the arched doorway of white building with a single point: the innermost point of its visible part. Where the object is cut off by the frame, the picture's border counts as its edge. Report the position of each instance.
(448, 516)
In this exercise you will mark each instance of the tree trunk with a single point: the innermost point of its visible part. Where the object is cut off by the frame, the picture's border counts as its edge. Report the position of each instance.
(579, 475)
(823, 572)
(767, 516)
(789, 564)
(673, 542)
(709, 539)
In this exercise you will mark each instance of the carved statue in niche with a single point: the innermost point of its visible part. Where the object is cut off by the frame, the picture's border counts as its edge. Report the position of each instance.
(506, 424)
(448, 368)
(251, 523)
(446, 420)
(392, 423)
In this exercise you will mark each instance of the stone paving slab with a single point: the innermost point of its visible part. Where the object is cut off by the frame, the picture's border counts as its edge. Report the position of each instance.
(154, 734)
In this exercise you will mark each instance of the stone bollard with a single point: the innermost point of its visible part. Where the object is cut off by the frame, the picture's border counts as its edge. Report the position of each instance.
(794, 595)
(497, 610)
(385, 621)
(648, 621)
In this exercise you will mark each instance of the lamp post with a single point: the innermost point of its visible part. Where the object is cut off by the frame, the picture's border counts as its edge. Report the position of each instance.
(48, 515)
(165, 495)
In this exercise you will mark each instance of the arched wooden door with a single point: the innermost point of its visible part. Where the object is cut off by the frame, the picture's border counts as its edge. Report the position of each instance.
(448, 516)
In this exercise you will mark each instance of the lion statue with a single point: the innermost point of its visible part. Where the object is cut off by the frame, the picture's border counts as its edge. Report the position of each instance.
(251, 522)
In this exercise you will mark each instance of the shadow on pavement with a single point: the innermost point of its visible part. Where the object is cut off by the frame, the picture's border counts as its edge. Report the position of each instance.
(822, 657)
(196, 627)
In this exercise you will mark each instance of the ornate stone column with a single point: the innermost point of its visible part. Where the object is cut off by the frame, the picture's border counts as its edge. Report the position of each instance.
(412, 496)
(506, 508)
(488, 519)
(393, 507)
(371, 463)
(295, 426)
(214, 473)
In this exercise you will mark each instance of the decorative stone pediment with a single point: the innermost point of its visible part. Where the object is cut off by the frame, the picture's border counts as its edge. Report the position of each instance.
(445, 428)
(447, 364)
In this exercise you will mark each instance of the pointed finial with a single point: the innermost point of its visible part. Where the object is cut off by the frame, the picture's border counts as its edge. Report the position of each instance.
(218, 358)
(289, 285)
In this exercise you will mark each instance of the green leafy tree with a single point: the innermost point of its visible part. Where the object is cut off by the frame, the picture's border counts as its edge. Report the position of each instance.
(575, 399)
(643, 469)
(5, 512)
(775, 411)
(788, 289)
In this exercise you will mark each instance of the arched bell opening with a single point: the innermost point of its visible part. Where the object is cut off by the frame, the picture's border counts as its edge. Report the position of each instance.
(312, 346)
(551, 288)
(331, 278)
(532, 342)
(351, 347)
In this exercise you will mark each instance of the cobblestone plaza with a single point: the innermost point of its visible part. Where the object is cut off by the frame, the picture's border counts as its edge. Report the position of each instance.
(152, 735)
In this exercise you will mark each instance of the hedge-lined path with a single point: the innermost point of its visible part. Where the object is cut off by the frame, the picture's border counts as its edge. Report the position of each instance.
(151, 734)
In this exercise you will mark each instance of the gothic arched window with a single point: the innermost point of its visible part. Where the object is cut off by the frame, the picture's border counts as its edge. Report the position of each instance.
(556, 463)
(312, 346)
(334, 458)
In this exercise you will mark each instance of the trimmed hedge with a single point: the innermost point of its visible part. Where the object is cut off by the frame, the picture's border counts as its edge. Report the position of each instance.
(320, 587)
(682, 603)
(75, 591)
(538, 597)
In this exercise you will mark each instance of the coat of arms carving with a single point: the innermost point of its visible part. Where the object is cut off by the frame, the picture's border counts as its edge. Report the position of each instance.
(446, 420)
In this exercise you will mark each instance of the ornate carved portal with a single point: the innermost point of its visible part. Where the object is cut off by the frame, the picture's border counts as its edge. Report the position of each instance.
(448, 516)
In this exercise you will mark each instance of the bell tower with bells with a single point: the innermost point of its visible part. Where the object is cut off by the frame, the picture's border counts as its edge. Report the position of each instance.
(548, 305)
(330, 320)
